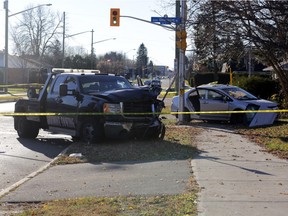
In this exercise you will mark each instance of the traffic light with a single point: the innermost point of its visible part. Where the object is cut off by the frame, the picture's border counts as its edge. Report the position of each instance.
(181, 39)
(115, 17)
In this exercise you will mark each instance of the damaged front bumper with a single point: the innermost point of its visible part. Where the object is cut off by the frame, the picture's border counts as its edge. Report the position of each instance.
(261, 118)
(132, 129)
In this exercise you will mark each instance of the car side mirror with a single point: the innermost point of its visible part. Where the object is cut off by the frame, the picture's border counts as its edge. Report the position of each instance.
(63, 89)
(226, 99)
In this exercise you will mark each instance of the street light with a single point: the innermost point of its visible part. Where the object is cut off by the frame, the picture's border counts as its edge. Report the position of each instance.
(128, 52)
(92, 48)
(104, 40)
(67, 36)
(5, 81)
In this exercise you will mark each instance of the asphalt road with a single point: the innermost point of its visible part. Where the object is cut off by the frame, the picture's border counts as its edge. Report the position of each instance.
(20, 158)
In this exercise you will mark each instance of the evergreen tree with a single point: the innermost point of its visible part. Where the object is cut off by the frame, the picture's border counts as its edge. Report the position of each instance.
(142, 61)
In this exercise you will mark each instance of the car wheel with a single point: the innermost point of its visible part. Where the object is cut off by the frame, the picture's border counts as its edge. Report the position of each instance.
(162, 132)
(237, 118)
(159, 133)
(92, 132)
(27, 129)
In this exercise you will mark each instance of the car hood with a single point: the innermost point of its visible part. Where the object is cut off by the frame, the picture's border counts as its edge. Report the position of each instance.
(126, 95)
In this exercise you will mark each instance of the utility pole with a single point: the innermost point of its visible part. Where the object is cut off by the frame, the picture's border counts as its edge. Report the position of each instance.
(92, 50)
(176, 62)
(5, 75)
(181, 43)
(63, 42)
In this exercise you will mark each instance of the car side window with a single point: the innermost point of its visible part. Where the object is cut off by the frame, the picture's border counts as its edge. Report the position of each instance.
(212, 95)
(202, 93)
(59, 80)
(71, 83)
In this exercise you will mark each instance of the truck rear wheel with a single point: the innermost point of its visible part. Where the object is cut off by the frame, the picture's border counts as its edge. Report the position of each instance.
(92, 132)
(27, 129)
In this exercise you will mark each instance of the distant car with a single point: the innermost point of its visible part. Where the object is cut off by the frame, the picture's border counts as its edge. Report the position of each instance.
(225, 98)
(156, 82)
(147, 82)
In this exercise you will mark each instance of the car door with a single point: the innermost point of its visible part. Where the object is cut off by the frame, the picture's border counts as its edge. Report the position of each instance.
(214, 101)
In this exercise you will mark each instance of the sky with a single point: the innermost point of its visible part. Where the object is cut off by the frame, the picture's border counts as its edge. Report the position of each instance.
(85, 15)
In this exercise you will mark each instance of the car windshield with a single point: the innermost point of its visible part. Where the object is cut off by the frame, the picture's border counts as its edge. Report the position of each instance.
(239, 94)
(100, 83)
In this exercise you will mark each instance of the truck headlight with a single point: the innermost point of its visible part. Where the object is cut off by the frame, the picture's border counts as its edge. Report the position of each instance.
(112, 108)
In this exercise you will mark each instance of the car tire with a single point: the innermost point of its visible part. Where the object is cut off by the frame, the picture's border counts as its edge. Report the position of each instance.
(237, 118)
(27, 129)
(160, 133)
(92, 132)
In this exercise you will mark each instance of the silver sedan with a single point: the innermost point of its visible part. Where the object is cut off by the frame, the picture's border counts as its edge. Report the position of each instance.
(214, 97)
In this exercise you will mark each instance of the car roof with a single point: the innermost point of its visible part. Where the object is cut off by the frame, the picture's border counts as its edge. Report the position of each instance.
(216, 86)
(89, 74)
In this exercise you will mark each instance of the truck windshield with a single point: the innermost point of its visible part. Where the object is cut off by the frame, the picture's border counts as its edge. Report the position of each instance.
(99, 83)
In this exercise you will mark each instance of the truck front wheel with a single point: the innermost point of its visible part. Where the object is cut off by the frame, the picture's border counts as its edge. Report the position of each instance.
(27, 129)
(92, 132)
(160, 133)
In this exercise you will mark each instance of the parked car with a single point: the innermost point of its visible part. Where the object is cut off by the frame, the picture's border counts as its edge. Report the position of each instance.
(214, 97)
(147, 82)
(154, 82)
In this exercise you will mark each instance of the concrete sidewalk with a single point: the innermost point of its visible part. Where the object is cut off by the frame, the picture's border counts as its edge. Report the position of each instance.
(104, 179)
(237, 178)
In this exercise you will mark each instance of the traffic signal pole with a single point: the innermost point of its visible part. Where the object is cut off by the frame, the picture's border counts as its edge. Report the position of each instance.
(180, 44)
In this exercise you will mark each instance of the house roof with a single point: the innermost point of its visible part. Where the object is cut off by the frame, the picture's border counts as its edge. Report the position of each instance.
(20, 62)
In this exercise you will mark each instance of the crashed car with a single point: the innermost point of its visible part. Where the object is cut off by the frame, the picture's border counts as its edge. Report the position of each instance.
(90, 106)
(216, 97)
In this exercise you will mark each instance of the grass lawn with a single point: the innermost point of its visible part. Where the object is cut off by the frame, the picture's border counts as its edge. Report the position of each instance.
(273, 139)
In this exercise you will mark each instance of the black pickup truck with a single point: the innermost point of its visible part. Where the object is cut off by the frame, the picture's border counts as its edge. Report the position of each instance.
(90, 107)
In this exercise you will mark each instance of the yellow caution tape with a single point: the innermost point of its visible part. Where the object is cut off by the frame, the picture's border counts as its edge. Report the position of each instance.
(228, 112)
(22, 85)
(146, 113)
(11, 97)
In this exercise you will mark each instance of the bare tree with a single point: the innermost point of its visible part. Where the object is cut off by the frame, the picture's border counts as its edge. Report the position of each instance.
(36, 31)
(262, 23)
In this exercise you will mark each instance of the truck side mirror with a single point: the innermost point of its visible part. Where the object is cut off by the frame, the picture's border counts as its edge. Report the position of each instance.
(63, 89)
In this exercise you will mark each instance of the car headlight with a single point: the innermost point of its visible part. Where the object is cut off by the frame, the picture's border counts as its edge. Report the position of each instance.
(112, 108)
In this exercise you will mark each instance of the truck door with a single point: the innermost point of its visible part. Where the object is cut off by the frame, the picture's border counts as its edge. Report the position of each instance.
(69, 104)
(53, 102)
(62, 104)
